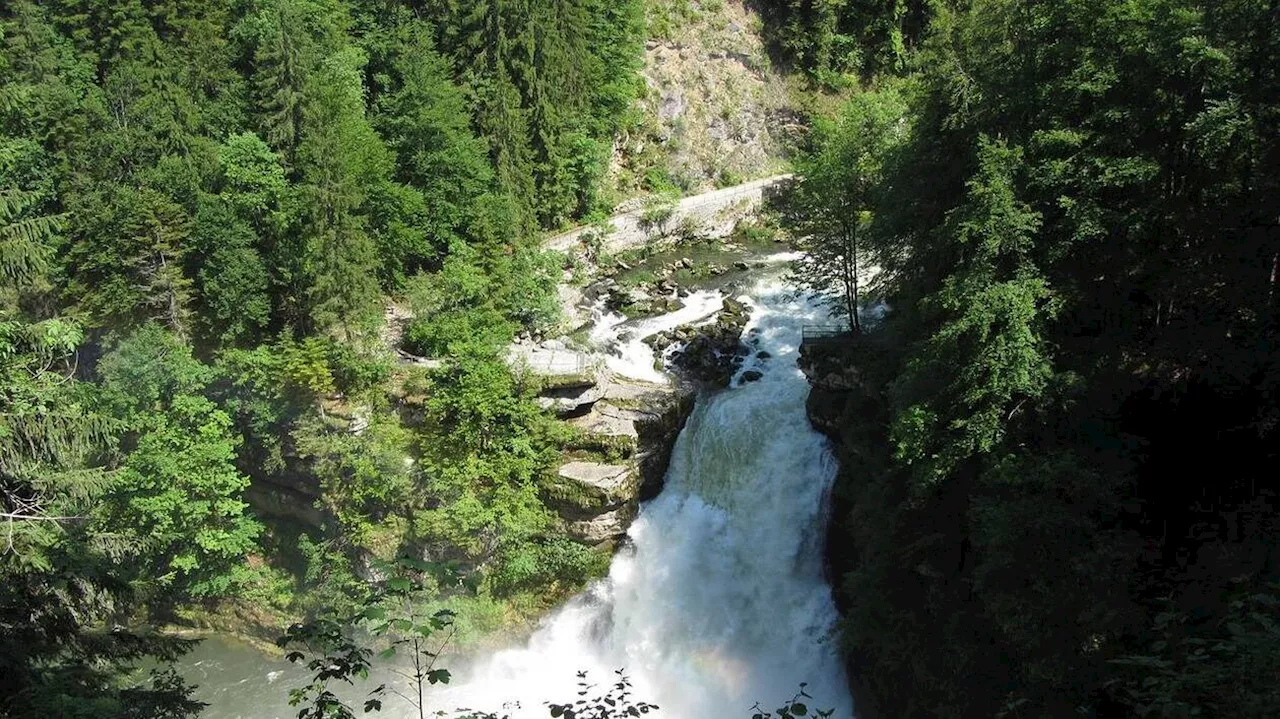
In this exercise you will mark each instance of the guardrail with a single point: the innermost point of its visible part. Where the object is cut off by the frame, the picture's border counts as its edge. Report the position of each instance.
(549, 362)
(565, 363)
(810, 333)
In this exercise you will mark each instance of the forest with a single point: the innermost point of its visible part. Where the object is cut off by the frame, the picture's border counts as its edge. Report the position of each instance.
(202, 208)
(1058, 446)
(1057, 437)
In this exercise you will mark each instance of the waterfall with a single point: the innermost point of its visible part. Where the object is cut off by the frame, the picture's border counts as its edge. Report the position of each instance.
(718, 601)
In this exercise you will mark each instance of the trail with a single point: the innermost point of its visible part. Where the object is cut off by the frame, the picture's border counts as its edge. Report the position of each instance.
(628, 229)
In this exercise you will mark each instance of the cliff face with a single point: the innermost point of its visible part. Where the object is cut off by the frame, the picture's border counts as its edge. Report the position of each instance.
(625, 431)
(845, 403)
(715, 112)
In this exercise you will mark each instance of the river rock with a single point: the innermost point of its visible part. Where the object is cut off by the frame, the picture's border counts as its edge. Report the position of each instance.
(751, 375)
(711, 353)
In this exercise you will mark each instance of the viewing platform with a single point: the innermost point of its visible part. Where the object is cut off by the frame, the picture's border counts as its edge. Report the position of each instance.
(826, 334)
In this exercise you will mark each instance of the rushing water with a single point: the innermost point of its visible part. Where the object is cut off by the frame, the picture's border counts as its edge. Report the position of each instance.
(623, 341)
(717, 602)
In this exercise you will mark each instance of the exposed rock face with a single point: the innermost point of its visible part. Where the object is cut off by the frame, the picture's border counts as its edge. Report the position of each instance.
(607, 420)
(659, 424)
(833, 378)
(568, 401)
(711, 353)
(635, 425)
(604, 528)
(608, 484)
(712, 87)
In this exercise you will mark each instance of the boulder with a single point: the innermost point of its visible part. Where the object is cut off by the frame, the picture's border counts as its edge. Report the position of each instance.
(569, 401)
(609, 421)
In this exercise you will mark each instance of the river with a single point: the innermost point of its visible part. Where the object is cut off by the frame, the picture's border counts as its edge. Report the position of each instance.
(717, 602)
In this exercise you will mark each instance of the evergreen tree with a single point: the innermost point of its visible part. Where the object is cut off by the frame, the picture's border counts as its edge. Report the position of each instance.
(57, 575)
(340, 157)
(127, 258)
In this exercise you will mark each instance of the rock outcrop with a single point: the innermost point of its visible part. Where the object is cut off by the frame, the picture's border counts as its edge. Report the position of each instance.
(603, 484)
(606, 528)
(833, 377)
(707, 353)
(627, 428)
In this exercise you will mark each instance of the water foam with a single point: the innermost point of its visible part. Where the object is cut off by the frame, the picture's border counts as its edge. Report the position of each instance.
(719, 601)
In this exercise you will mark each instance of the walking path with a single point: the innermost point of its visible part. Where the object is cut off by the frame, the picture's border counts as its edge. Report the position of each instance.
(710, 210)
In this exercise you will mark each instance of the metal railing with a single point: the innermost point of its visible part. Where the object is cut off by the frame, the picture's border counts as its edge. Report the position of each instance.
(811, 333)
(564, 362)
(550, 363)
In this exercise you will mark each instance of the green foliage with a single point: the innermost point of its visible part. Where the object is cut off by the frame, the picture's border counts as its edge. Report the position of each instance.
(557, 562)
(988, 316)
(827, 38)
(1081, 314)
(1194, 669)
(617, 701)
(180, 497)
(233, 281)
(393, 616)
(203, 207)
(363, 477)
(481, 467)
(59, 574)
(831, 204)
(127, 257)
(147, 371)
(792, 709)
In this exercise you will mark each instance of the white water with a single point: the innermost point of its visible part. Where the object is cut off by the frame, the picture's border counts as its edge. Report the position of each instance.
(718, 602)
(627, 354)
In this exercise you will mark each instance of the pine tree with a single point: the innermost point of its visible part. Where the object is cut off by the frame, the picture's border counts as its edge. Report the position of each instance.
(291, 39)
(340, 157)
(127, 258)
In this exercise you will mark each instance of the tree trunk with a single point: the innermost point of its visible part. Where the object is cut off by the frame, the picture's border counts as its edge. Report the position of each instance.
(849, 276)
(853, 252)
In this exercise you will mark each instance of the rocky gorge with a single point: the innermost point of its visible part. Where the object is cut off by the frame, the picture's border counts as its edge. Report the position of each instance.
(626, 426)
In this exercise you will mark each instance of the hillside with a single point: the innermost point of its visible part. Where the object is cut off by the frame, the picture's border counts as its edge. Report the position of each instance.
(715, 112)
